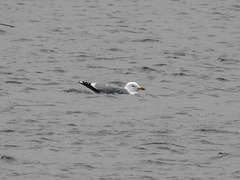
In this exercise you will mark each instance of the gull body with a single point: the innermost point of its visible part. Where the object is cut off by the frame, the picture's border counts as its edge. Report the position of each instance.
(130, 88)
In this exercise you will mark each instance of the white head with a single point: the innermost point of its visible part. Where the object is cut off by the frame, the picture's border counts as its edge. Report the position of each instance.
(133, 87)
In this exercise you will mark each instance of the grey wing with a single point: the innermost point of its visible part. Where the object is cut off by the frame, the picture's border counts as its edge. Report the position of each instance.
(107, 89)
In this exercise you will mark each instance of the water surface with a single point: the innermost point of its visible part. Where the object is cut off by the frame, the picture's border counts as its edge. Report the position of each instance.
(184, 126)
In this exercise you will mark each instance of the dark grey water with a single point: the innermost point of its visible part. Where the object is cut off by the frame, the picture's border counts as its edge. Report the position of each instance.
(184, 126)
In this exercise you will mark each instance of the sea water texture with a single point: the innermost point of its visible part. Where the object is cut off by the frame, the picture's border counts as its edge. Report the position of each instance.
(184, 126)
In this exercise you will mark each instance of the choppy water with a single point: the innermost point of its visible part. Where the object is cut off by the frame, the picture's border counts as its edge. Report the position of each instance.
(186, 125)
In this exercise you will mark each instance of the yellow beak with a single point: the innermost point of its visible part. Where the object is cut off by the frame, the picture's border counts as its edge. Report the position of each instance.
(141, 88)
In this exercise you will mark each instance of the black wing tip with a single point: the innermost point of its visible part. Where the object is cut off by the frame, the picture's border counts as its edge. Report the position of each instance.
(81, 82)
(88, 85)
(84, 83)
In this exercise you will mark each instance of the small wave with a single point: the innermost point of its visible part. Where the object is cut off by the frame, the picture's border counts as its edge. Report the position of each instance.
(163, 143)
(7, 130)
(160, 64)
(115, 49)
(6, 73)
(103, 59)
(228, 61)
(175, 148)
(146, 40)
(13, 82)
(59, 70)
(2, 32)
(236, 7)
(71, 124)
(77, 91)
(180, 74)
(6, 158)
(46, 84)
(26, 105)
(176, 53)
(47, 50)
(28, 89)
(157, 162)
(74, 112)
(146, 69)
(82, 112)
(216, 131)
(84, 166)
(219, 156)
(10, 146)
(222, 79)
(23, 40)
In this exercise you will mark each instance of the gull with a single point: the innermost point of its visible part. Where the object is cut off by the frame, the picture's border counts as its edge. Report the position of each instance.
(130, 88)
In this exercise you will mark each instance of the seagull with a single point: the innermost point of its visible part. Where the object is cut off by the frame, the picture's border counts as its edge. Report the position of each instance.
(130, 88)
